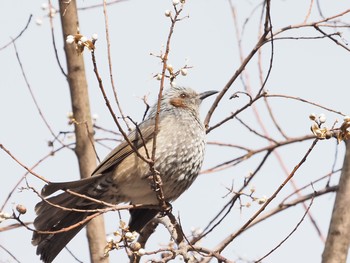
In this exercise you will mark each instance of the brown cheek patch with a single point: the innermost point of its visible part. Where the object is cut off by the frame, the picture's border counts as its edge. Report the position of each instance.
(177, 102)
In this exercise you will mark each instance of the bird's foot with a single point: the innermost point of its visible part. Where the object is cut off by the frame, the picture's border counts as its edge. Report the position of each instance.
(165, 208)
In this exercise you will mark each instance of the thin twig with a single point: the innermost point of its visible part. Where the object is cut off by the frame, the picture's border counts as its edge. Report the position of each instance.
(50, 154)
(19, 35)
(291, 233)
(272, 116)
(268, 30)
(248, 155)
(33, 96)
(91, 140)
(310, 24)
(8, 252)
(283, 206)
(319, 9)
(331, 38)
(21, 164)
(110, 65)
(229, 205)
(333, 166)
(230, 145)
(309, 11)
(72, 254)
(125, 136)
(307, 38)
(262, 124)
(260, 43)
(54, 41)
(13, 226)
(62, 230)
(141, 136)
(231, 237)
(155, 174)
(255, 132)
(105, 130)
(234, 114)
(328, 175)
(304, 100)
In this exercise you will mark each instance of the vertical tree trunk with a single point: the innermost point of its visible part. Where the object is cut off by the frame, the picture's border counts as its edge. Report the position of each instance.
(83, 128)
(338, 239)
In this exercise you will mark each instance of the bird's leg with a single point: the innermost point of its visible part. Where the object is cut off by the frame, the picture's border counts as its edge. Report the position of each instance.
(166, 209)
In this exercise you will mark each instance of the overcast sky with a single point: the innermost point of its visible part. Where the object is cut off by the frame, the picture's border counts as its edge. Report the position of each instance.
(316, 70)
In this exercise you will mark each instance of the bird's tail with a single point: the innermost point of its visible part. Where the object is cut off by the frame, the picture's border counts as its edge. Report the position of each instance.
(60, 213)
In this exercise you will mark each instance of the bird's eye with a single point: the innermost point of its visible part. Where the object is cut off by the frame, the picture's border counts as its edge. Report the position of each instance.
(183, 95)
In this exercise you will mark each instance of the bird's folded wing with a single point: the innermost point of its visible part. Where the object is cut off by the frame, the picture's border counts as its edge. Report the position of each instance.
(139, 138)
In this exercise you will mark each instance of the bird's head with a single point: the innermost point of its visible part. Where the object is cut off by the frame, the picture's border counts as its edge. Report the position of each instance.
(181, 98)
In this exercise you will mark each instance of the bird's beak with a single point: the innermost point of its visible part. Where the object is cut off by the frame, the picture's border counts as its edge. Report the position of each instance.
(206, 94)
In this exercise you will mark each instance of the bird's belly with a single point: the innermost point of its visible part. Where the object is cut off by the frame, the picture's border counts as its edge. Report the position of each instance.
(178, 162)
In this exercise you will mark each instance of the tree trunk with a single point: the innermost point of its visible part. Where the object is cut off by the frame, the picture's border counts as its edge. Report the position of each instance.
(338, 239)
(83, 128)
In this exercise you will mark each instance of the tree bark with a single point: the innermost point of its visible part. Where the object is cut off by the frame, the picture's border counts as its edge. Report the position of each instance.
(83, 127)
(338, 239)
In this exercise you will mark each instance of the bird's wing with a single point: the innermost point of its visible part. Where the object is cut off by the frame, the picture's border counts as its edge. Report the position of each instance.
(139, 138)
(123, 150)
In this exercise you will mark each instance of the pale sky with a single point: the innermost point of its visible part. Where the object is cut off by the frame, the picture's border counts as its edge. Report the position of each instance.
(316, 70)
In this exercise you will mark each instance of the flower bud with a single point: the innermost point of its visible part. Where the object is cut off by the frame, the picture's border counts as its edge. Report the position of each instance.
(110, 238)
(135, 246)
(21, 209)
(329, 134)
(252, 189)
(170, 68)
(53, 12)
(95, 117)
(183, 72)
(83, 39)
(5, 215)
(70, 39)
(159, 76)
(70, 115)
(167, 13)
(312, 116)
(44, 6)
(94, 37)
(129, 236)
(39, 21)
(141, 252)
(262, 200)
(322, 118)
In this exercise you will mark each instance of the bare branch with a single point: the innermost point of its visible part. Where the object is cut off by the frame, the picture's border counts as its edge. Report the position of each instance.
(19, 35)
(304, 100)
(21, 164)
(290, 234)
(8, 252)
(54, 40)
(231, 237)
(110, 64)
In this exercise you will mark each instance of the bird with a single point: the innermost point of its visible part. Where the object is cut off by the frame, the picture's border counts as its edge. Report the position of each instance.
(123, 177)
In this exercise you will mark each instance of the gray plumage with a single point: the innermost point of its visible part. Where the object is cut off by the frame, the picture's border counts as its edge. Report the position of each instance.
(123, 177)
